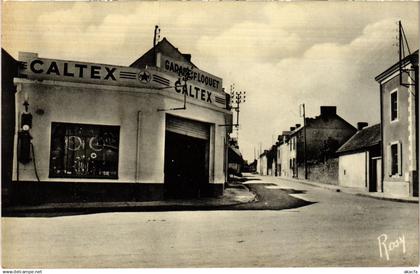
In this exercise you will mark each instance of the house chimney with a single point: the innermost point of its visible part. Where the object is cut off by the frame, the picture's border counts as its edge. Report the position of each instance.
(292, 128)
(187, 56)
(297, 125)
(328, 110)
(285, 135)
(361, 125)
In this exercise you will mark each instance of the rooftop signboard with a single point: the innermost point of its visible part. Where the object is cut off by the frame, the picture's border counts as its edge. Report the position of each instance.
(33, 67)
(197, 77)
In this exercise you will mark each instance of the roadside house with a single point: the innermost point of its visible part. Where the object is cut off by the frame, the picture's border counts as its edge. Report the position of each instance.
(399, 95)
(360, 159)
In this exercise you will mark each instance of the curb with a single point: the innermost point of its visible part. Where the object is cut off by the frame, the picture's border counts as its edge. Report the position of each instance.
(350, 191)
(319, 185)
(393, 199)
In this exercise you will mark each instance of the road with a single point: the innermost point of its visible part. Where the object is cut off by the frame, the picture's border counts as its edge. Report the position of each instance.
(339, 229)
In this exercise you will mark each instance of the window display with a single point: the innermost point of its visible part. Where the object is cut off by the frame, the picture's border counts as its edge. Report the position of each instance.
(84, 151)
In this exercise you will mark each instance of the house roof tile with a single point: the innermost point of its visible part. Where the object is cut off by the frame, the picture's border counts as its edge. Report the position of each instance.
(363, 139)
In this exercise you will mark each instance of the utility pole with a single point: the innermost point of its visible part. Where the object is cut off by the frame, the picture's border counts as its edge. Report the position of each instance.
(237, 98)
(156, 37)
(304, 141)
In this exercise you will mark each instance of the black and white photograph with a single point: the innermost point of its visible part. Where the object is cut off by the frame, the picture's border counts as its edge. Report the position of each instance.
(209, 135)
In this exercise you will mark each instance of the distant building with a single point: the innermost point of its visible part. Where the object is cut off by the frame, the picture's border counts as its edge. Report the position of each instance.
(360, 159)
(250, 167)
(262, 163)
(272, 160)
(235, 159)
(284, 154)
(293, 147)
(399, 89)
(324, 135)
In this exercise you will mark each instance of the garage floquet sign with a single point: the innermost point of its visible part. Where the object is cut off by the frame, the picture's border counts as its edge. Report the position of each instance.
(37, 68)
(197, 77)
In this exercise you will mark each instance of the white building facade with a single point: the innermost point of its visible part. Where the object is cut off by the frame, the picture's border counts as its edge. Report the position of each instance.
(98, 130)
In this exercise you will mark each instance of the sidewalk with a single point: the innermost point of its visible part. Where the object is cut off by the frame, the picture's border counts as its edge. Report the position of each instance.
(232, 196)
(355, 191)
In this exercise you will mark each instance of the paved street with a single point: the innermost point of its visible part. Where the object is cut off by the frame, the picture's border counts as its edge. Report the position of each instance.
(338, 229)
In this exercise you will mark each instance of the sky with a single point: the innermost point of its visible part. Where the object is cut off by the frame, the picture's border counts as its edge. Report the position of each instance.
(282, 54)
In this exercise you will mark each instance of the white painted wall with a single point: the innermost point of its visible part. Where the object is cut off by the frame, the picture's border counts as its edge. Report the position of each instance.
(397, 188)
(96, 104)
(285, 157)
(259, 165)
(352, 170)
(263, 165)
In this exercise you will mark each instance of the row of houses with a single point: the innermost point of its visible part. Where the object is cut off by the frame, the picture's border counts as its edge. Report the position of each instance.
(312, 145)
(378, 158)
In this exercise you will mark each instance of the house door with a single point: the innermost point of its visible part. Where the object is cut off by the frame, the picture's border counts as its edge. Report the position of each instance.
(375, 178)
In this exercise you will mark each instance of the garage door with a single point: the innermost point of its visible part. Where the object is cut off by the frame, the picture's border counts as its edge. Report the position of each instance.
(187, 127)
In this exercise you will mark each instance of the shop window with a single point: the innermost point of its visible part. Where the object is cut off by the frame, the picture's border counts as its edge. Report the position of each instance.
(84, 151)
(394, 105)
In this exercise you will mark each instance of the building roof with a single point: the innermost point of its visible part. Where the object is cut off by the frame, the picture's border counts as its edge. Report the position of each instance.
(167, 49)
(362, 140)
(310, 121)
(412, 58)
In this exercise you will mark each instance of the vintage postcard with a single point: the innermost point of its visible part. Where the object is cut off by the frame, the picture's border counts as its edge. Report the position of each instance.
(160, 134)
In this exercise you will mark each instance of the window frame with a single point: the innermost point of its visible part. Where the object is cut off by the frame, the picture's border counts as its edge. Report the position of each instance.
(395, 91)
(117, 128)
(399, 159)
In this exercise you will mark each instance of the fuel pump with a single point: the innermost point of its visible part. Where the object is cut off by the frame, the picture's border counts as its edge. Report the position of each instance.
(24, 136)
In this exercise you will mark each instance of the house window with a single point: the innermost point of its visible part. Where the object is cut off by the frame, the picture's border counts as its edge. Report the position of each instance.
(394, 105)
(395, 159)
(84, 151)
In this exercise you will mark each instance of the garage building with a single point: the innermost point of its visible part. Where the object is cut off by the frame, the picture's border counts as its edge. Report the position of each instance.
(96, 132)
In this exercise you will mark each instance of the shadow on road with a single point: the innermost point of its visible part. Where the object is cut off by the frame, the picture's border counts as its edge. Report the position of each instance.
(271, 197)
(268, 197)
